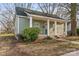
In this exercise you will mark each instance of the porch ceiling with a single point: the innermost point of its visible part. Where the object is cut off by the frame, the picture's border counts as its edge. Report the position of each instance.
(37, 17)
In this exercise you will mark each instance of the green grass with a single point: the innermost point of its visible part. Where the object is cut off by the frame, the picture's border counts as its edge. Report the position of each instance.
(5, 35)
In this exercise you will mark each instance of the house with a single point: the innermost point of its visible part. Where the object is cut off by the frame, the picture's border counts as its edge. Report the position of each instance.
(49, 24)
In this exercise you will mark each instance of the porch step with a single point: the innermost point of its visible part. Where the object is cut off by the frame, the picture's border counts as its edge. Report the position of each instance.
(60, 36)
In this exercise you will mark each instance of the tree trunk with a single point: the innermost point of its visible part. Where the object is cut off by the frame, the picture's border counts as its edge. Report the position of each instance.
(73, 19)
(73, 28)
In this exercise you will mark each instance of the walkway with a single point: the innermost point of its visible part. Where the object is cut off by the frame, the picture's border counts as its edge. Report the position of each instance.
(75, 53)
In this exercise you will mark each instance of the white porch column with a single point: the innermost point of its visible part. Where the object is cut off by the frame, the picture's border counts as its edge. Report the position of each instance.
(30, 21)
(48, 25)
(65, 28)
(55, 27)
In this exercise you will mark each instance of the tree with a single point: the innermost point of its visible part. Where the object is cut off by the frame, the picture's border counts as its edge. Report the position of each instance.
(70, 10)
(63, 11)
(8, 17)
(48, 8)
(73, 19)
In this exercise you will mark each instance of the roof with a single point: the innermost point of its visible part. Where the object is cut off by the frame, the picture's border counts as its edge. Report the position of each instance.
(21, 11)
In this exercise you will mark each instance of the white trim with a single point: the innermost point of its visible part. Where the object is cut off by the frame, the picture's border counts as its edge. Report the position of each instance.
(55, 27)
(65, 28)
(27, 13)
(30, 21)
(48, 25)
(62, 28)
(18, 24)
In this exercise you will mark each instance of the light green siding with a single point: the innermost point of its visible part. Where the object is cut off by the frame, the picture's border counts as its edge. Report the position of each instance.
(23, 23)
(20, 24)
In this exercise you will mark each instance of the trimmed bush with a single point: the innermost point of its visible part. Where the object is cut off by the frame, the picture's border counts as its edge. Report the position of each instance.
(30, 34)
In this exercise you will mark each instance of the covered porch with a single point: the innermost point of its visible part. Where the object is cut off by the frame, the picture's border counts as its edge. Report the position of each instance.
(48, 26)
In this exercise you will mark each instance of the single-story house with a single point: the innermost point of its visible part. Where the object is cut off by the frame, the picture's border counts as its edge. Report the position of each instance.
(49, 24)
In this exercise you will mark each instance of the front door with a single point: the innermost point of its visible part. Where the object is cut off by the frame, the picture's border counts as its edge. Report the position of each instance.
(44, 26)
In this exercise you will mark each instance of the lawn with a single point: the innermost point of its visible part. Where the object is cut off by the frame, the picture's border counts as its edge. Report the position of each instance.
(73, 38)
(3, 35)
(44, 48)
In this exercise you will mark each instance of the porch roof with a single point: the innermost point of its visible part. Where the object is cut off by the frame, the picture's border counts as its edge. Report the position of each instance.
(44, 18)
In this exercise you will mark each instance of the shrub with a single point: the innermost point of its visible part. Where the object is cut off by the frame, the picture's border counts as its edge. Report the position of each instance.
(30, 34)
(69, 32)
(78, 31)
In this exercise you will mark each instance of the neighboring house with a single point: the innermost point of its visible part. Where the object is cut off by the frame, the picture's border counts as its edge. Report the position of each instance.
(49, 24)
